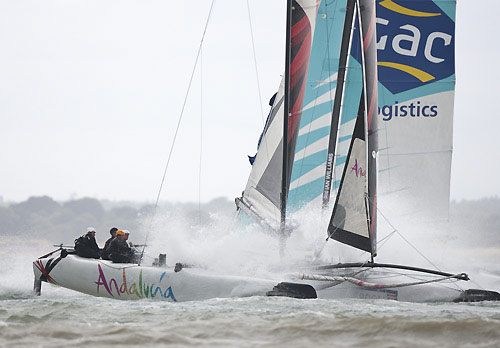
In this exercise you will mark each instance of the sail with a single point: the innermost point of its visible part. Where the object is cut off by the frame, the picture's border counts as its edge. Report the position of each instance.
(416, 67)
(353, 220)
(261, 198)
(310, 158)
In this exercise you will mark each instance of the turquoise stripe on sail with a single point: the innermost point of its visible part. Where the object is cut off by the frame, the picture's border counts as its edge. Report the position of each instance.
(387, 98)
(307, 139)
(346, 138)
(305, 194)
(341, 160)
(306, 164)
(312, 114)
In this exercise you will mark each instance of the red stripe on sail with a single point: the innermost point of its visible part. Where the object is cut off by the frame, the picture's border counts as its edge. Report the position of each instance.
(300, 64)
(301, 25)
(301, 46)
(294, 120)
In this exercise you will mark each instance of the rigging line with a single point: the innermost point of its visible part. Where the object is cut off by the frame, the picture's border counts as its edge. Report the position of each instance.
(255, 64)
(410, 244)
(365, 284)
(177, 128)
(406, 240)
(201, 137)
(264, 138)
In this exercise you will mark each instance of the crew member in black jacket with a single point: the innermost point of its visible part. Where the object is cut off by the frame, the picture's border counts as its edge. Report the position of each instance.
(105, 250)
(86, 246)
(119, 251)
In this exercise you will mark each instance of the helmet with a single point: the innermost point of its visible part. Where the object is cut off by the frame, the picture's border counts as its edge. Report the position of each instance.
(120, 233)
(113, 230)
(90, 229)
(126, 232)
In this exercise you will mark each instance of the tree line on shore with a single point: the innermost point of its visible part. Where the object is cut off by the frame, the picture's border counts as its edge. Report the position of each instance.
(475, 221)
(62, 222)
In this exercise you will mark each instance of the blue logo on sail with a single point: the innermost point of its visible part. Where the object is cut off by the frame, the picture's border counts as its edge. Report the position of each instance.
(416, 44)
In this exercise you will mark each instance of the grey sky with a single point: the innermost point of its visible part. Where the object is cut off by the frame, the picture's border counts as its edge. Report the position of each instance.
(90, 93)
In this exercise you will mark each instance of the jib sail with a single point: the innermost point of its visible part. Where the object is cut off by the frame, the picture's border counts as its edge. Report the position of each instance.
(353, 220)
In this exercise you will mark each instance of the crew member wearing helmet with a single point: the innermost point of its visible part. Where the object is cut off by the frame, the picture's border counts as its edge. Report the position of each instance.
(105, 250)
(119, 251)
(86, 246)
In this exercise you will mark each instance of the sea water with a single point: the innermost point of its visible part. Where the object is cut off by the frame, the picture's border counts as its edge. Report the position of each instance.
(63, 318)
(60, 318)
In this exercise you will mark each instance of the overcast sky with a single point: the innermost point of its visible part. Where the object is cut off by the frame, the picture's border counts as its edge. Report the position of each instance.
(91, 91)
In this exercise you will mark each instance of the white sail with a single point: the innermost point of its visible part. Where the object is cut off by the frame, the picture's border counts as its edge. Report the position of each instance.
(261, 195)
(416, 95)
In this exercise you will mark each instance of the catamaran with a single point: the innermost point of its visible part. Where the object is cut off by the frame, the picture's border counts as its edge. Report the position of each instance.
(358, 126)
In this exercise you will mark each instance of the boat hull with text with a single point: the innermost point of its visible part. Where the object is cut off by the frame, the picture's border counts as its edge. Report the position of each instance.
(104, 278)
(133, 282)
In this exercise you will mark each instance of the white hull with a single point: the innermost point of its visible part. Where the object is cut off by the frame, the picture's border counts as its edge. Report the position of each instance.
(132, 282)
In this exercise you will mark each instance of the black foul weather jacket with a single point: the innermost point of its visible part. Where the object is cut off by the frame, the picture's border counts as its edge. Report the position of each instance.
(86, 246)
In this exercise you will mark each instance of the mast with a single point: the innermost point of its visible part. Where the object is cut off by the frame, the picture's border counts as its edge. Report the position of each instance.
(286, 113)
(339, 93)
(369, 57)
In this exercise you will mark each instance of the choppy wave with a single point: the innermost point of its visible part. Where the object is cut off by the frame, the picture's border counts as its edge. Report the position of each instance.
(258, 321)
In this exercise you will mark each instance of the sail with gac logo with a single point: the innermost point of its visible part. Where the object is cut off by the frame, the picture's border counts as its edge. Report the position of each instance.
(416, 65)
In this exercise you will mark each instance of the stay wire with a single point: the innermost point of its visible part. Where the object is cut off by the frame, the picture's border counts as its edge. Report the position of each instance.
(201, 139)
(177, 128)
(406, 240)
(255, 63)
(409, 243)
